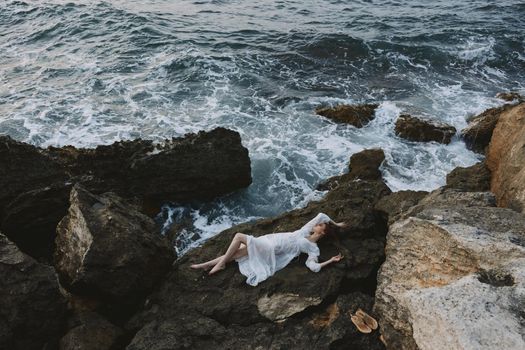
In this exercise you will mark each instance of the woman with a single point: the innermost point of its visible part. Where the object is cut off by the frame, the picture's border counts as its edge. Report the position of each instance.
(260, 257)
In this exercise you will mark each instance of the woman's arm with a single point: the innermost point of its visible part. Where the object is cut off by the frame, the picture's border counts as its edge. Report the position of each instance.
(313, 265)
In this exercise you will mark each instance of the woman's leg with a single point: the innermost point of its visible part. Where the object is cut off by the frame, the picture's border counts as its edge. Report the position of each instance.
(238, 239)
(242, 251)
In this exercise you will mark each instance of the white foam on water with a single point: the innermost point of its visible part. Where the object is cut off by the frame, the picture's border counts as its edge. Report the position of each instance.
(187, 86)
(477, 49)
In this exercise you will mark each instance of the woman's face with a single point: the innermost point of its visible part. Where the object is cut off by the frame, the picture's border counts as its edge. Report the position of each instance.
(319, 228)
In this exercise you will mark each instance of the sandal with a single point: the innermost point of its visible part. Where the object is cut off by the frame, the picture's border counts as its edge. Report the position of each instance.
(360, 324)
(369, 320)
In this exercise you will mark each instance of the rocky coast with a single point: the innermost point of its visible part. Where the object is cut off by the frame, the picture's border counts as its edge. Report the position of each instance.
(85, 267)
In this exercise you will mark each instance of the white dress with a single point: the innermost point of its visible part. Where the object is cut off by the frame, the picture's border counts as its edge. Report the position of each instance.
(270, 253)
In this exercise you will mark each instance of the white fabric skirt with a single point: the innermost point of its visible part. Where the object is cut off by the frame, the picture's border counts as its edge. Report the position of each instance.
(262, 260)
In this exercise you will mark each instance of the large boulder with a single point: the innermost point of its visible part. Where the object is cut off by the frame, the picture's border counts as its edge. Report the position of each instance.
(417, 129)
(506, 158)
(475, 178)
(279, 312)
(37, 181)
(106, 248)
(364, 165)
(454, 279)
(356, 115)
(479, 130)
(32, 309)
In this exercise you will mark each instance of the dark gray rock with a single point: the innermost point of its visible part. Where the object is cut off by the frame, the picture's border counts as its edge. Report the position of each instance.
(356, 115)
(327, 326)
(363, 165)
(107, 249)
(91, 331)
(475, 178)
(32, 309)
(479, 130)
(31, 219)
(37, 181)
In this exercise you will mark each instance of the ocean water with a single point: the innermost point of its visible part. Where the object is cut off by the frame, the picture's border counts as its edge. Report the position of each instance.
(93, 72)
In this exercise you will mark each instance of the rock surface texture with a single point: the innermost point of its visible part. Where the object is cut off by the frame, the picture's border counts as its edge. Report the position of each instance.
(510, 96)
(356, 115)
(454, 277)
(475, 178)
(90, 331)
(416, 129)
(506, 158)
(36, 182)
(107, 249)
(294, 309)
(479, 130)
(32, 309)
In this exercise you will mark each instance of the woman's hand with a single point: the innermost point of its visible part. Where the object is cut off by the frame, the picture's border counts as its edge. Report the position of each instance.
(341, 224)
(336, 258)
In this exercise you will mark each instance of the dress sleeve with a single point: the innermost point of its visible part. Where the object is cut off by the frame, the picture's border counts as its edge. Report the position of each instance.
(312, 263)
(305, 230)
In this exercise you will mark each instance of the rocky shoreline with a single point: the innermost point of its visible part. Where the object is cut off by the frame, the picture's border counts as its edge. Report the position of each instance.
(85, 267)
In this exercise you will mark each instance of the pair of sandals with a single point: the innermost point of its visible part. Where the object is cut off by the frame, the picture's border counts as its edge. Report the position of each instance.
(363, 321)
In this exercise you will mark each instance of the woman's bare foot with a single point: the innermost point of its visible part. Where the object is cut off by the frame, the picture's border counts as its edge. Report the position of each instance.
(204, 266)
(217, 268)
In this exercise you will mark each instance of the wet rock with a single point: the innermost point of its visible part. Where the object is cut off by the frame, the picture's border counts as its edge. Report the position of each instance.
(228, 311)
(506, 158)
(398, 203)
(416, 129)
(479, 130)
(510, 96)
(356, 115)
(107, 249)
(475, 178)
(37, 181)
(32, 310)
(363, 165)
(196, 166)
(92, 332)
(31, 219)
(451, 278)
